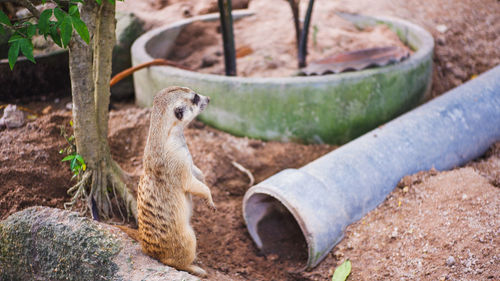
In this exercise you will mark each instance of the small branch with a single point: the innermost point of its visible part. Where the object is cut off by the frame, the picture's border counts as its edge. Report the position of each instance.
(226, 23)
(13, 29)
(294, 4)
(304, 34)
(28, 5)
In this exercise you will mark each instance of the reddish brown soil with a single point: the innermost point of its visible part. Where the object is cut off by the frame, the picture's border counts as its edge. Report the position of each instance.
(409, 237)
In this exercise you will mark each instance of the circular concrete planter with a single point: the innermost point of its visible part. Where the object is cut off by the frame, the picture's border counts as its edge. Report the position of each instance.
(318, 109)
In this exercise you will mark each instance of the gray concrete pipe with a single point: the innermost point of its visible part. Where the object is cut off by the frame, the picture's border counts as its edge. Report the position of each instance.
(320, 199)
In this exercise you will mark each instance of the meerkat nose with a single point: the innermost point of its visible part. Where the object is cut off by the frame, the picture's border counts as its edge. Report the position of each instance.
(208, 99)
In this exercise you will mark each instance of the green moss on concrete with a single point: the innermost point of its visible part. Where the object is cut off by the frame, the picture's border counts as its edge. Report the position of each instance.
(48, 244)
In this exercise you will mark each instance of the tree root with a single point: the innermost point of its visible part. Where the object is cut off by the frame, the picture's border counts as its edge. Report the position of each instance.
(101, 184)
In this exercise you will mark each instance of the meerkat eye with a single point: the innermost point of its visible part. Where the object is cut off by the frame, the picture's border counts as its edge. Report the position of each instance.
(196, 99)
(179, 112)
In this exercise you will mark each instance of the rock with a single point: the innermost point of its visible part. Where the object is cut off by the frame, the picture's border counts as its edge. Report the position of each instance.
(128, 28)
(12, 117)
(441, 28)
(41, 243)
(450, 261)
(209, 60)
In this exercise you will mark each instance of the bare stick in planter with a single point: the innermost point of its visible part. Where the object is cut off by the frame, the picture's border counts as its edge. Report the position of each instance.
(302, 52)
(294, 4)
(226, 23)
(301, 33)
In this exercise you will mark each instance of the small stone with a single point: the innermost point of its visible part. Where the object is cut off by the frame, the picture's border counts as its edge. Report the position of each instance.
(450, 261)
(441, 28)
(69, 106)
(441, 40)
(338, 255)
(47, 110)
(406, 189)
(272, 257)
(394, 233)
(57, 100)
(209, 60)
(464, 196)
(12, 117)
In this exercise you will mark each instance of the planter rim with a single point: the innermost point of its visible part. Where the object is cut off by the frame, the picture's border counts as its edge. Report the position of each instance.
(39, 56)
(425, 47)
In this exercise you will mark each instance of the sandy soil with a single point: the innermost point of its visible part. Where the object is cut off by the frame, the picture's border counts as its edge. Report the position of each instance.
(435, 226)
(266, 45)
(466, 38)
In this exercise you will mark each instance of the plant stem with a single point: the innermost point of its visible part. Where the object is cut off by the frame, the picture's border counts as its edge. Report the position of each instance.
(226, 23)
(304, 34)
(28, 5)
(294, 4)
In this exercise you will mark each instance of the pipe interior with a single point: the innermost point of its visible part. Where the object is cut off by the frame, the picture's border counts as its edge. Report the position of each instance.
(274, 229)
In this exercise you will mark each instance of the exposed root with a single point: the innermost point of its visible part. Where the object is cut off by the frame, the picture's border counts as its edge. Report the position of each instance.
(101, 185)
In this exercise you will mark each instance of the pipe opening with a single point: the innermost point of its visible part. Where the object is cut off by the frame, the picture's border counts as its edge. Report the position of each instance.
(274, 229)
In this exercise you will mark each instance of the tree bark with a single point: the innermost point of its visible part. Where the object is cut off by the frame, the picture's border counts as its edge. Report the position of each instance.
(90, 71)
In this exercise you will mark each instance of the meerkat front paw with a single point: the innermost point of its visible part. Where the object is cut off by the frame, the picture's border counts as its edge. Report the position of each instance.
(211, 205)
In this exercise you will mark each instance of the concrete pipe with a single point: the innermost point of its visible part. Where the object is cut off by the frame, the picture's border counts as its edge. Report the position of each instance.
(320, 199)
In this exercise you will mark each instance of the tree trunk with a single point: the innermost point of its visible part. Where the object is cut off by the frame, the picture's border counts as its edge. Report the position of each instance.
(90, 70)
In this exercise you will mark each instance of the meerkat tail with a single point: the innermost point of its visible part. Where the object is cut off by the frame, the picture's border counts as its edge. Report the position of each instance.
(120, 76)
(195, 270)
(132, 233)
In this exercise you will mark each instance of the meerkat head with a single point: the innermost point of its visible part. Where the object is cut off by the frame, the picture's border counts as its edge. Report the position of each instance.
(180, 104)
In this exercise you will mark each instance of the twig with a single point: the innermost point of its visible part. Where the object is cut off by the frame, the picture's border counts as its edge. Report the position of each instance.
(303, 36)
(244, 170)
(28, 5)
(294, 4)
(226, 24)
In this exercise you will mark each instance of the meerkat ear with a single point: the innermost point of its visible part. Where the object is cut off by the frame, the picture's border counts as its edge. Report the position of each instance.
(179, 112)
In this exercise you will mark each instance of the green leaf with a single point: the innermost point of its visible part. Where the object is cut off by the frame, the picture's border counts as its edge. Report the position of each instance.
(72, 164)
(31, 30)
(81, 29)
(80, 159)
(73, 9)
(27, 49)
(69, 157)
(14, 38)
(2, 30)
(66, 30)
(54, 34)
(44, 21)
(99, 2)
(60, 14)
(13, 54)
(342, 271)
(4, 19)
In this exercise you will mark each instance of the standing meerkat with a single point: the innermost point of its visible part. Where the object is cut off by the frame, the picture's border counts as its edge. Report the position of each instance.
(170, 178)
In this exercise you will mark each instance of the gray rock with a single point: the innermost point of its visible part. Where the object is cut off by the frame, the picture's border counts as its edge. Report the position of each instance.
(12, 117)
(42, 243)
(450, 261)
(128, 28)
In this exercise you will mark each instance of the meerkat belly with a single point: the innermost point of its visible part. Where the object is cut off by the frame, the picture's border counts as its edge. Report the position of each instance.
(163, 215)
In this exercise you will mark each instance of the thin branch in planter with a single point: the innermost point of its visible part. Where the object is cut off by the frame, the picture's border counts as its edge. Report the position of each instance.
(294, 4)
(302, 52)
(226, 23)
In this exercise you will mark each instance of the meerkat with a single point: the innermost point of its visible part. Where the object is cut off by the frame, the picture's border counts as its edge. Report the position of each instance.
(170, 178)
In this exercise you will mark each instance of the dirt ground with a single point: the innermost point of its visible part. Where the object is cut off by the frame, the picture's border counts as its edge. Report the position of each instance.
(435, 226)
